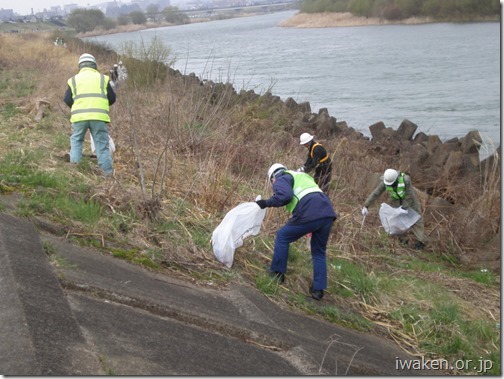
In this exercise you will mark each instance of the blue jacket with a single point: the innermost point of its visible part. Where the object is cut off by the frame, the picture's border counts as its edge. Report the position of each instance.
(312, 207)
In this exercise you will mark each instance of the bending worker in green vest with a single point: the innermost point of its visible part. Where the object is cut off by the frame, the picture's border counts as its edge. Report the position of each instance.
(402, 194)
(89, 95)
(312, 212)
(317, 159)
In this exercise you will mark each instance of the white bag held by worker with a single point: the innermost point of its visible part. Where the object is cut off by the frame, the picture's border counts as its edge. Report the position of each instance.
(111, 144)
(239, 223)
(395, 221)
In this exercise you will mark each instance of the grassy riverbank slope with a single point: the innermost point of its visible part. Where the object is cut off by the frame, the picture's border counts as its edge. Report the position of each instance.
(187, 153)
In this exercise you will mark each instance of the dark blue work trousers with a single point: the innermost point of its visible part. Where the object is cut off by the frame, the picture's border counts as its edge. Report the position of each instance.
(320, 230)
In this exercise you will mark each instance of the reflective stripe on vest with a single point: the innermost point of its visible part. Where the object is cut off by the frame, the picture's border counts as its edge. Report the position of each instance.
(303, 185)
(398, 193)
(313, 149)
(89, 93)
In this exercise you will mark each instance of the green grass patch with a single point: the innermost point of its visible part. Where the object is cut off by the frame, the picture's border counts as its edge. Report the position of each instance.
(48, 248)
(409, 315)
(18, 84)
(445, 314)
(46, 180)
(482, 276)
(4, 84)
(20, 163)
(62, 205)
(147, 259)
(25, 88)
(352, 277)
(266, 284)
(55, 260)
(350, 320)
(423, 265)
(27, 27)
(200, 236)
(9, 111)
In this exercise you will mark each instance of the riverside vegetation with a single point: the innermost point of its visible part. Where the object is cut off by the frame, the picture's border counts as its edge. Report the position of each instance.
(186, 155)
(393, 10)
(337, 13)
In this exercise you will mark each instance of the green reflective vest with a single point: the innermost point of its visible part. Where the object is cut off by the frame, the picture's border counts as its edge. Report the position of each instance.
(398, 193)
(89, 93)
(303, 185)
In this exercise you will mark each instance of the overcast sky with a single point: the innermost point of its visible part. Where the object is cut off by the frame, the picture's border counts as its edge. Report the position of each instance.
(24, 7)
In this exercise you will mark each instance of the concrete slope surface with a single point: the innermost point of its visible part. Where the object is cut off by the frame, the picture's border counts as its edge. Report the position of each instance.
(91, 314)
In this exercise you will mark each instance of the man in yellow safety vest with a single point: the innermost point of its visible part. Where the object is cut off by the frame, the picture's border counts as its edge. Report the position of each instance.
(90, 95)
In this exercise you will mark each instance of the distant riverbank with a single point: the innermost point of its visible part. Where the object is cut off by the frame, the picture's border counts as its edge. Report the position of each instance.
(149, 25)
(331, 20)
(124, 29)
(298, 20)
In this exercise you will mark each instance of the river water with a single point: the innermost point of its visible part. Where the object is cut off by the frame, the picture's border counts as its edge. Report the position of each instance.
(444, 77)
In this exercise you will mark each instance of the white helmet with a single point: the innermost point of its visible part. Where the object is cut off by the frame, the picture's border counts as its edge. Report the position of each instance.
(274, 168)
(390, 176)
(305, 138)
(87, 58)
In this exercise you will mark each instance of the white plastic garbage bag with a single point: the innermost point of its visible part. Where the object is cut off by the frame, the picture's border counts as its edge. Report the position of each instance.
(111, 144)
(239, 223)
(394, 221)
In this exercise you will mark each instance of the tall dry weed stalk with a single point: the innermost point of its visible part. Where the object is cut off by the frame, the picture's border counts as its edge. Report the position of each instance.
(182, 138)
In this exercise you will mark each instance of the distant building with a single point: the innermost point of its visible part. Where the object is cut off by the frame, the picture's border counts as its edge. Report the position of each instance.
(68, 8)
(6, 14)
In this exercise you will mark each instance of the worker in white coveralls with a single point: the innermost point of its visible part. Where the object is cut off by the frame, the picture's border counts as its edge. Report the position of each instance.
(312, 212)
(402, 194)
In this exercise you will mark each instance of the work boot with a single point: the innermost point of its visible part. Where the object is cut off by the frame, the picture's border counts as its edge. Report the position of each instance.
(278, 276)
(419, 245)
(316, 294)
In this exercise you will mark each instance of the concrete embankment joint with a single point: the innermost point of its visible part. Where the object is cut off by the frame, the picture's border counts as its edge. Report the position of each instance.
(215, 326)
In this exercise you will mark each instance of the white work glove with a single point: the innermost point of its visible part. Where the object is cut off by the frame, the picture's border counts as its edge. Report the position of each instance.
(300, 169)
(403, 211)
(364, 211)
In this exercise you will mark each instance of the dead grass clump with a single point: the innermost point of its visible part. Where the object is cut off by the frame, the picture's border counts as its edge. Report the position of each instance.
(123, 200)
